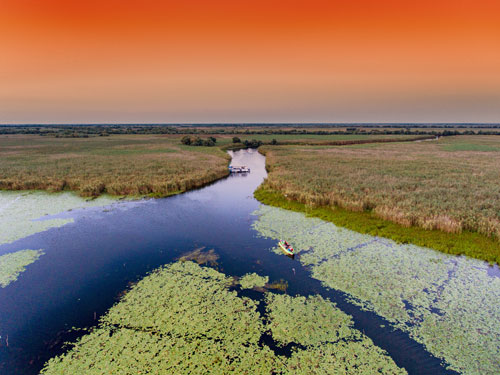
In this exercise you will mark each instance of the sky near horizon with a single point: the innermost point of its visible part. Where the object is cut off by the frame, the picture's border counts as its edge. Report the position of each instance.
(64, 61)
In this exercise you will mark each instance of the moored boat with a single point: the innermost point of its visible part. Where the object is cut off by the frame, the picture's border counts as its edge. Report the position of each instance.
(286, 248)
(239, 169)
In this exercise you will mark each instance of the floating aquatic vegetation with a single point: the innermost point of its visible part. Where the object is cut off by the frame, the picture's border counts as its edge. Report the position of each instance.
(306, 321)
(353, 357)
(134, 352)
(187, 300)
(201, 257)
(184, 319)
(19, 211)
(13, 264)
(252, 280)
(445, 302)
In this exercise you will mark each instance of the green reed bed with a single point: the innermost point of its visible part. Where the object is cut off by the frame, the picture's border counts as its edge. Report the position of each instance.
(468, 243)
(184, 318)
(446, 185)
(447, 303)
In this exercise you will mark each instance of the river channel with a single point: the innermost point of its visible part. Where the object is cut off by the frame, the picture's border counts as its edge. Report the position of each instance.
(89, 262)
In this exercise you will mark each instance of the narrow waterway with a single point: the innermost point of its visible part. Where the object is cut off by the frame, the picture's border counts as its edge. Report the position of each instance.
(89, 262)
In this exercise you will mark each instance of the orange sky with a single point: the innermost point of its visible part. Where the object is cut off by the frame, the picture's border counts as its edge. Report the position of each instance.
(249, 61)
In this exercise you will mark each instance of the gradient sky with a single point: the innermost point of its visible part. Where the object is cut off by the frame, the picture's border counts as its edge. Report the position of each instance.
(249, 61)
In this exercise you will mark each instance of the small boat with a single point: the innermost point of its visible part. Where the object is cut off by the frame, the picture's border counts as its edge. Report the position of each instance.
(287, 248)
(239, 169)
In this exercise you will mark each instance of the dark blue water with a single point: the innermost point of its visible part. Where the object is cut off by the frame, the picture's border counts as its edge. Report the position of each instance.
(88, 263)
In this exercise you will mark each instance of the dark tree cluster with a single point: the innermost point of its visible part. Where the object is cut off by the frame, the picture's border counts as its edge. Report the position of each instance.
(252, 144)
(197, 141)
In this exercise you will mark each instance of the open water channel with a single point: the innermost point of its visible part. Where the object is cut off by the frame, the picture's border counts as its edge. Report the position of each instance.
(88, 263)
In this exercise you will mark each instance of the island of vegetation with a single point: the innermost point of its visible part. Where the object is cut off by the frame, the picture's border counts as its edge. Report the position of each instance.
(184, 318)
(13, 264)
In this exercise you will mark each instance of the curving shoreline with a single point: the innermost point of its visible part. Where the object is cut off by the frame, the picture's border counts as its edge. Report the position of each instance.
(471, 244)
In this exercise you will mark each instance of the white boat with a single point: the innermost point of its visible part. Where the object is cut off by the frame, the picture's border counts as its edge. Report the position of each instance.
(239, 169)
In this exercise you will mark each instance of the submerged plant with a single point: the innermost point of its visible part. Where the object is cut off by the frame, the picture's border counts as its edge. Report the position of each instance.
(201, 257)
(281, 285)
(13, 264)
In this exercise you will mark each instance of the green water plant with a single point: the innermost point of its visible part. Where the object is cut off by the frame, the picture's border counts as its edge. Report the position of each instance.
(252, 280)
(22, 213)
(359, 357)
(183, 318)
(445, 302)
(13, 264)
(468, 243)
(306, 320)
(187, 300)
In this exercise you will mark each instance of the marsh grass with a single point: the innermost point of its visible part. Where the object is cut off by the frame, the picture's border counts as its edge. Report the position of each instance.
(315, 139)
(467, 243)
(132, 165)
(432, 185)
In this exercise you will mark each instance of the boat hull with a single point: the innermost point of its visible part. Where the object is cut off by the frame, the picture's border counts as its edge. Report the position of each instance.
(286, 251)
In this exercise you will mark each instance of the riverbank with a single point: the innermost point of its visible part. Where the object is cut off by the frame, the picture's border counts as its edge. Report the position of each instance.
(135, 165)
(426, 188)
(466, 243)
(123, 165)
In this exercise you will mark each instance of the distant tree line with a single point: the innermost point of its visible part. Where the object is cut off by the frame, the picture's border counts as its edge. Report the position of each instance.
(84, 131)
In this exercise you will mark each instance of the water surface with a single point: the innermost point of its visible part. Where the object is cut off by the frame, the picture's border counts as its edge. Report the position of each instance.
(89, 262)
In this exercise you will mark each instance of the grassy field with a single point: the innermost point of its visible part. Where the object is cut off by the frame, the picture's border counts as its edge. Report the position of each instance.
(130, 164)
(156, 165)
(309, 138)
(449, 185)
